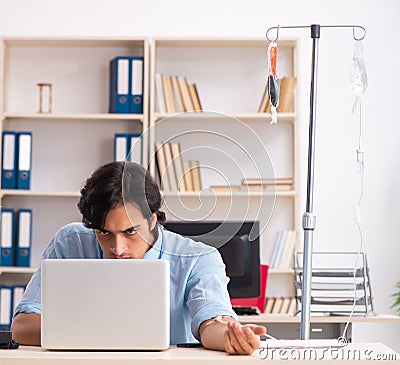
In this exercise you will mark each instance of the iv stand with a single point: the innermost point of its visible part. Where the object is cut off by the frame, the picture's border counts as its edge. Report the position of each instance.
(309, 218)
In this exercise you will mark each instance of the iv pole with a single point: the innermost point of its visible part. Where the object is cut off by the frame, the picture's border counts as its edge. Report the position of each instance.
(309, 218)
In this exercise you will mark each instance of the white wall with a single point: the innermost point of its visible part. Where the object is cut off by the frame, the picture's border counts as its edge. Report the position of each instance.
(336, 182)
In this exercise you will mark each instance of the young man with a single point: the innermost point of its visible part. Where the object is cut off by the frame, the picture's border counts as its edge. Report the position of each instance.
(120, 206)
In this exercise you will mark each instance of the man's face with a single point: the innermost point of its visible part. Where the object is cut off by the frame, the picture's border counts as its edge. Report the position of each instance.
(126, 237)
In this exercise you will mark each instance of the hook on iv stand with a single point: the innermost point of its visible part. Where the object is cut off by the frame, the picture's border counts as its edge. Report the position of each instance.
(278, 27)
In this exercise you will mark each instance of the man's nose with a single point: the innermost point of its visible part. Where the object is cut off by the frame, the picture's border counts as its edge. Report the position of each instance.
(120, 246)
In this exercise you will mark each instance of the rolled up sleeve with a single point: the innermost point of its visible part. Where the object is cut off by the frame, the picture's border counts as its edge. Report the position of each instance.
(207, 291)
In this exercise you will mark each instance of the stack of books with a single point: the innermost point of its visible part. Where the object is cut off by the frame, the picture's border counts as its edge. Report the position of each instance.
(280, 306)
(283, 253)
(257, 184)
(176, 174)
(174, 94)
(286, 96)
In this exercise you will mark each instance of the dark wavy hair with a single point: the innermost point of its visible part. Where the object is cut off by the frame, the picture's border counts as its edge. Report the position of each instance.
(118, 183)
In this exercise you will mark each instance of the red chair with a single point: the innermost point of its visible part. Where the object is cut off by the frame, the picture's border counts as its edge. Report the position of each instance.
(259, 301)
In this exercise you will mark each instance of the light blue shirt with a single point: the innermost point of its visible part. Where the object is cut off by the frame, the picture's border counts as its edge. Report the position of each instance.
(198, 281)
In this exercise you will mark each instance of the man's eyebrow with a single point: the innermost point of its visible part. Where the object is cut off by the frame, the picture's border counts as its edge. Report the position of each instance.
(133, 227)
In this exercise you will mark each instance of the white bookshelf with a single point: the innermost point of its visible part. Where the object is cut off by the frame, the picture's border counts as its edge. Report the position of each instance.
(230, 75)
(78, 136)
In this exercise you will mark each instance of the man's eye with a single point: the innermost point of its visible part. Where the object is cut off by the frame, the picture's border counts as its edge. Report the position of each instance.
(130, 232)
(104, 233)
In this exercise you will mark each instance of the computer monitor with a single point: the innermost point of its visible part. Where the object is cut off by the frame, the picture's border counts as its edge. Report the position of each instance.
(240, 254)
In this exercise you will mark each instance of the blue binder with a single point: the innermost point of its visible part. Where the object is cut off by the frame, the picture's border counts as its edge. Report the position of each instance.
(119, 85)
(8, 163)
(18, 293)
(24, 238)
(6, 303)
(136, 85)
(7, 237)
(24, 160)
(121, 146)
(135, 148)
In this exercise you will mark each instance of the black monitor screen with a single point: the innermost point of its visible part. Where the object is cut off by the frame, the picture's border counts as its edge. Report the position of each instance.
(240, 254)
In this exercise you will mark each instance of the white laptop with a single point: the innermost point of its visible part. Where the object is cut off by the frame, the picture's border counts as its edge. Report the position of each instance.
(100, 304)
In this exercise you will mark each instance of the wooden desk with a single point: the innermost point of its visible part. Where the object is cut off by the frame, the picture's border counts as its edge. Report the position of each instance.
(353, 353)
(322, 326)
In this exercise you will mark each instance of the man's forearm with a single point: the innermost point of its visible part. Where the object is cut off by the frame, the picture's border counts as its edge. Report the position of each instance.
(212, 333)
(25, 328)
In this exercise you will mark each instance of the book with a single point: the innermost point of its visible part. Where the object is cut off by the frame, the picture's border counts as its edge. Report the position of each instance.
(177, 95)
(225, 187)
(277, 306)
(269, 305)
(279, 252)
(285, 305)
(286, 97)
(187, 101)
(160, 93)
(267, 181)
(170, 170)
(264, 101)
(168, 94)
(274, 253)
(162, 167)
(292, 306)
(195, 169)
(178, 165)
(187, 175)
(250, 188)
(195, 97)
(287, 258)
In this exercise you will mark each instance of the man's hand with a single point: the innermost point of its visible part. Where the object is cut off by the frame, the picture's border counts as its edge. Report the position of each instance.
(226, 334)
(242, 340)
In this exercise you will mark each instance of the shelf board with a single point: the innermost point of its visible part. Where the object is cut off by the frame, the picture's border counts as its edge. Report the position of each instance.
(80, 116)
(280, 271)
(74, 42)
(208, 193)
(322, 318)
(16, 192)
(219, 42)
(249, 117)
(204, 193)
(16, 270)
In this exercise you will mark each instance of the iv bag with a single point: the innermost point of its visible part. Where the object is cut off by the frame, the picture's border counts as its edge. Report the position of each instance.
(273, 82)
(358, 74)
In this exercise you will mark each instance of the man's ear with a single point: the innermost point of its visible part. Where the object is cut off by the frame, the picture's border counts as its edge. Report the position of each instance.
(153, 221)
